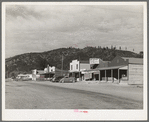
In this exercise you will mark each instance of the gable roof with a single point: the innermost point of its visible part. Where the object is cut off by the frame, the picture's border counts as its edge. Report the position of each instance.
(133, 60)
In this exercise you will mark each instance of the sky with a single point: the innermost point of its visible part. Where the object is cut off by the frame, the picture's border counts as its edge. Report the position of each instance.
(39, 28)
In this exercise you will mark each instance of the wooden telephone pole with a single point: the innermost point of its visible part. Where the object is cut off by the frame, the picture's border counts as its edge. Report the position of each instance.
(79, 68)
(62, 66)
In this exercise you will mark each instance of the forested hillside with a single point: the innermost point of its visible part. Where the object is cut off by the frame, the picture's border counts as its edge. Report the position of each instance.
(24, 63)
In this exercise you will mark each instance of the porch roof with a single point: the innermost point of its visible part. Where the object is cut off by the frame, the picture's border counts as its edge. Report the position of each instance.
(113, 67)
(104, 68)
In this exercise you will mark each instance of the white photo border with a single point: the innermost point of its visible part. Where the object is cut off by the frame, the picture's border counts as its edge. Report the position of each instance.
(69, 114)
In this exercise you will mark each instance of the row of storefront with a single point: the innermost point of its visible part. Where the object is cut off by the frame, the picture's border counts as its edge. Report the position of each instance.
(120, 70)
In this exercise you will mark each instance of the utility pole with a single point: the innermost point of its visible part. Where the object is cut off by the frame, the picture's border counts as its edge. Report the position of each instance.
(79, 68)
(62, 66)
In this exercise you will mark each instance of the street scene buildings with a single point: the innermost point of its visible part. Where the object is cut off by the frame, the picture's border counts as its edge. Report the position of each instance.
(120, 69)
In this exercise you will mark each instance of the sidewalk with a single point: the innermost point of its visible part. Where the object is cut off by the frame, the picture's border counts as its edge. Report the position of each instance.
(126, 91)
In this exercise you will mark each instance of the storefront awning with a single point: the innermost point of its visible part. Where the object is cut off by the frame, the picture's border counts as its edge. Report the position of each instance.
(109, 68)
(104, 68)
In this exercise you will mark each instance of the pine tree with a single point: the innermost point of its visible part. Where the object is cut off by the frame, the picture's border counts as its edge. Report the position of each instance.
(141, 53)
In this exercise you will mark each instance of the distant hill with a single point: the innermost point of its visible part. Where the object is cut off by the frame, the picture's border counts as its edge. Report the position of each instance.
(24, 63)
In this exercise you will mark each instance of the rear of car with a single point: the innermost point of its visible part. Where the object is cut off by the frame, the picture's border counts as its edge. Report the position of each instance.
(57, 79)
(68, 80)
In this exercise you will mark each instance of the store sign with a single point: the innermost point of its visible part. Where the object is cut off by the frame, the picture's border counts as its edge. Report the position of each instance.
(94, 60)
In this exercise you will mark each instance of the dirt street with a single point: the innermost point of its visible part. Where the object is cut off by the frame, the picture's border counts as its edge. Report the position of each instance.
(47, 95)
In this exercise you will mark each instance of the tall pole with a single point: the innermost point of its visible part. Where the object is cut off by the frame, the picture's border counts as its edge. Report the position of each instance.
(62, 65)
(79, 68)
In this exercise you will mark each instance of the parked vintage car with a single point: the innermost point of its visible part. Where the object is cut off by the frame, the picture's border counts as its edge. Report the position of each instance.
(57, 79)
(67, 79)
(23, 79)
(26, 79)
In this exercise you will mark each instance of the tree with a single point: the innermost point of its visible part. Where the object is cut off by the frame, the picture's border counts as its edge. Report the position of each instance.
(120, 48)
(141, 53)
(13, 75)
(43, 63)
(104, 48)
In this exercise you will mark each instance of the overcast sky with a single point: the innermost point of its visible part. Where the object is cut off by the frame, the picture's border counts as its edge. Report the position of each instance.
(46, 27)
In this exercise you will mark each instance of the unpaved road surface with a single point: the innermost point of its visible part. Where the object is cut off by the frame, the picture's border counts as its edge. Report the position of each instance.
(46, 95)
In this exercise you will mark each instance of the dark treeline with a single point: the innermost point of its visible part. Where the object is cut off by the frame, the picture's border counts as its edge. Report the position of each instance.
(24, 63)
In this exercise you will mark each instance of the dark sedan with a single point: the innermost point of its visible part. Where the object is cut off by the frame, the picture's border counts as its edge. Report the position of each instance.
(68, 80)
(57, 79)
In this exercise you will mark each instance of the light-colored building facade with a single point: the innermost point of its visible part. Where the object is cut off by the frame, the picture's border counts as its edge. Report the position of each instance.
(49, 69)
(36, 74)
(74, 66)
(77, 66)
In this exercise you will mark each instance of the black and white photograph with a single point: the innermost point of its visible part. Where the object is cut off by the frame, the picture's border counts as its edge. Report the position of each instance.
(74, 61)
